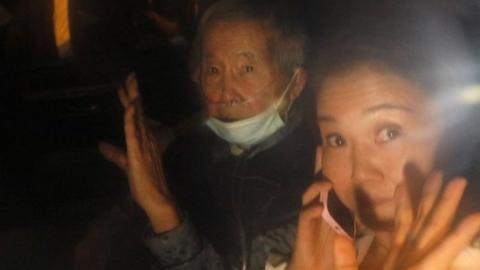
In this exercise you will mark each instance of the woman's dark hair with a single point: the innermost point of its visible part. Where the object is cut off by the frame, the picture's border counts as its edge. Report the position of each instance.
(419, 43)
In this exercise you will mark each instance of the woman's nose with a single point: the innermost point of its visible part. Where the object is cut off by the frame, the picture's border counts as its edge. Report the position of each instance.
(365, 164)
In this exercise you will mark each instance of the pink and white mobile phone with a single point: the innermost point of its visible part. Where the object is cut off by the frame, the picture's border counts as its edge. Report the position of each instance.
(336, 214)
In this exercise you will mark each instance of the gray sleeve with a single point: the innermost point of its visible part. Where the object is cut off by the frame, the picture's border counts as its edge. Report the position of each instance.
(274, 246)
(182, 248)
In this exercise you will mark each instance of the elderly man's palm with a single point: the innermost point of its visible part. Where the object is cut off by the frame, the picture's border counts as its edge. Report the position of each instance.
(143, 161)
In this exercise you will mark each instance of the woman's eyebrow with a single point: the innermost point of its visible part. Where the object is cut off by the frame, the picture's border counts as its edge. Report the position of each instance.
(373, 109)
(324, 118)
(387, 106)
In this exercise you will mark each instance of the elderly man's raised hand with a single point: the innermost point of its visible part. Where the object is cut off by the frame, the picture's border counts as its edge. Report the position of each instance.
(143, 161)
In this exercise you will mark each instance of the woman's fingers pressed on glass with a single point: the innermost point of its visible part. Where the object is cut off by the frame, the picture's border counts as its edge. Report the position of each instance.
(403, 223)
(442, 257)
(442, 215)
(430, 193)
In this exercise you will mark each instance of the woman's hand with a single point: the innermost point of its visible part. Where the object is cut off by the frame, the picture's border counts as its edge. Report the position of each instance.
(421, 238)
(317, 245)
(143, 161)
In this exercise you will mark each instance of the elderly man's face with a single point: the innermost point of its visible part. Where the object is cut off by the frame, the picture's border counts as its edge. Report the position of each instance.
(237, 74)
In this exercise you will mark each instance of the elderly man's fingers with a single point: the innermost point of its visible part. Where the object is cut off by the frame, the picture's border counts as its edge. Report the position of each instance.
(131, 135)
(430, 193)
(314, 190)
(443, 256)
(442, 215)
(132, 86)
(114, 154)
(345, 256)
(129, 121)
(123, 97)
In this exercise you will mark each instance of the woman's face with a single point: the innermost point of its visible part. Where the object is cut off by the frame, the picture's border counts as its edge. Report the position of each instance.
(373, 123)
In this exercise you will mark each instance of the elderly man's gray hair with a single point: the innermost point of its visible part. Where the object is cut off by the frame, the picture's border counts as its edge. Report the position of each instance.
(286, 44)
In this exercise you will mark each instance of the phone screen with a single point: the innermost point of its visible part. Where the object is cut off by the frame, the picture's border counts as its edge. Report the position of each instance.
(336, 214)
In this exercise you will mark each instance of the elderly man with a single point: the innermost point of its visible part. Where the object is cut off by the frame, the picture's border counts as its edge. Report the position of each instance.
(229, 191)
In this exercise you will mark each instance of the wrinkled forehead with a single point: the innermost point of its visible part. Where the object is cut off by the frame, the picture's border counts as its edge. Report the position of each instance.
(239, 31)
(228, 34)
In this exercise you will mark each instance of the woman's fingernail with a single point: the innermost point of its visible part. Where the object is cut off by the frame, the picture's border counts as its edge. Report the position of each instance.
(455, 186)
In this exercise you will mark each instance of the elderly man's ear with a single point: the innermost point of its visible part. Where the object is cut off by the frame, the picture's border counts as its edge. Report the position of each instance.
(195, 75)
(298, 83)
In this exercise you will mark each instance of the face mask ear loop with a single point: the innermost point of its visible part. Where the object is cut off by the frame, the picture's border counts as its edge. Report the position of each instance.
(287, 88)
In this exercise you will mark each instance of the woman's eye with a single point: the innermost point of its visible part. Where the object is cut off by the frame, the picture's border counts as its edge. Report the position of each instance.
(388, 134)
(248, 68)
(335, 140)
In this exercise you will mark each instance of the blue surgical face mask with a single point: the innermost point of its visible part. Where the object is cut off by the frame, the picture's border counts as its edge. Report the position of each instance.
(253, 130)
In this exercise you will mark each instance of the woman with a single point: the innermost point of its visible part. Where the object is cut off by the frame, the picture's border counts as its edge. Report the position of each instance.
(381, 125)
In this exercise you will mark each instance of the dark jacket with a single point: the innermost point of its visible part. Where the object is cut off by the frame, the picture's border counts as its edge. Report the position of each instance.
(238, 208)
